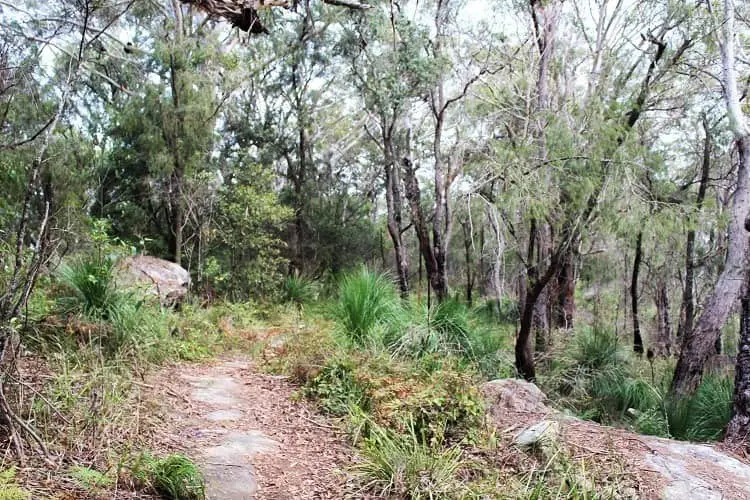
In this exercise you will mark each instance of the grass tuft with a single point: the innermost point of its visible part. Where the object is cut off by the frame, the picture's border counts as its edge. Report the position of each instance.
(368, 305)
(402, 466)
(175, 477)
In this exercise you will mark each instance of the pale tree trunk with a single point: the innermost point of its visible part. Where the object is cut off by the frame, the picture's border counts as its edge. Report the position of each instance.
(699, 343)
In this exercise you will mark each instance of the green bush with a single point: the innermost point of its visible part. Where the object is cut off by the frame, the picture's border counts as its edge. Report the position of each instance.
(298, 290)
(174, 477)
(338, 389)
(368, 306)
(703, 416)
(595, 348)
(90, 281)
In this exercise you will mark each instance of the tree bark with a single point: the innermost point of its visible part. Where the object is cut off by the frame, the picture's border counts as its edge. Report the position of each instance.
(698, 345)
(469, 253)
(523, 351)
(738, 428)
(663, 322)
(394, 209)
(637, 339)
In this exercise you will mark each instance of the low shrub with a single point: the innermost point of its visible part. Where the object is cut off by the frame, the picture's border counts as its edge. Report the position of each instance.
(174, 477)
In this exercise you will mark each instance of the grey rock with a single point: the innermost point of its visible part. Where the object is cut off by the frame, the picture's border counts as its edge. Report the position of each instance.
(544, 433)
(152, 276)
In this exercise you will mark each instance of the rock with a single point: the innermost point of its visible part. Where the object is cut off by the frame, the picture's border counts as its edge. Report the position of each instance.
(511, 394)
(158, 277)
(542, 434)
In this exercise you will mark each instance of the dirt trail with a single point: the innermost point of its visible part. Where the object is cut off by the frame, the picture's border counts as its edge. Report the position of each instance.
(248, 435)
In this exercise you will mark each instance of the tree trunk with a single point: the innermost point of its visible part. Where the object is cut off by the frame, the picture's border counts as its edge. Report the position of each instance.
(637, 339)
(393, 208)
(523, 351)
(663, 322)
(469, 262)
(687, 308)
(738, 429)
(699, 344)
(565, 292)
(414, 196)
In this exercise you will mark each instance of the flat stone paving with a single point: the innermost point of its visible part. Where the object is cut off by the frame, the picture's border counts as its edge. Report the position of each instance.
(227, 466)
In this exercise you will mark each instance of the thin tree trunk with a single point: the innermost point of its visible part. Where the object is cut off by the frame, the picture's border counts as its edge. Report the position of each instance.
(637, 339)
(687, 308)
(469, 263)
(393, 208)
(663, 322)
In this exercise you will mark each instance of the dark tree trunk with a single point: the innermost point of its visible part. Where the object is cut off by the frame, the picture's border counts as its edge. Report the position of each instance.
(687, 308)
(394, 209)
(469, 262)
(738, 429)
(637, 339)
(523, 351)
(420, 227)
(176, 180)
(663, 322)
(699, 344)
(565, 289)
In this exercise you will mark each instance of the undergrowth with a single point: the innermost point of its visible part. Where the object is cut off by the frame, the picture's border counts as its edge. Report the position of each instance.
(596, 378)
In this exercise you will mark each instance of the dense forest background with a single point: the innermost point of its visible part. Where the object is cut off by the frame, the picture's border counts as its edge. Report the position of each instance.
(557, 165)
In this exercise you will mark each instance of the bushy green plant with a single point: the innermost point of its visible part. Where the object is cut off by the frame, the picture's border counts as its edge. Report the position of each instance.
(90, 281)
(703, 416)
(9, 488)
(298, 290)
(89, 478)
(175, 477)
(595, 348)
(402, 466)
(368, 305)
(338, 389)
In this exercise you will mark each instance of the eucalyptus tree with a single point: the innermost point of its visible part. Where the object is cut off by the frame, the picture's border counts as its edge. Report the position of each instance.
(587, 133)
(699, 342)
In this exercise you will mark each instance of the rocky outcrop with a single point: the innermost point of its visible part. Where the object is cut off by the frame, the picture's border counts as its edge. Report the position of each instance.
(664, 468)
(157, 277)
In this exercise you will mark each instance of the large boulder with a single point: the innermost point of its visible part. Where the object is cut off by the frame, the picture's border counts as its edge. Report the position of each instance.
(158, 277)
(513, 395)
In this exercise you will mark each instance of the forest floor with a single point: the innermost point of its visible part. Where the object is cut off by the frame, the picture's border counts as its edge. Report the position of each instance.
(249, 433)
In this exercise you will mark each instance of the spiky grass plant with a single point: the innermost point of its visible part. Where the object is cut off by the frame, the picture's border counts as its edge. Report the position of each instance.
(90, 281)
(175, 477)
(401, 466)
(368, 307)
(298, 290)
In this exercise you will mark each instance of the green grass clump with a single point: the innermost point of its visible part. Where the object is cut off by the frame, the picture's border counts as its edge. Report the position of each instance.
(298, 290)
(174, 477)
(402, 466)
(88, 478)
(596, 348)
(703, 416)
(89, 279)
(9, 488)
(368, 305)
